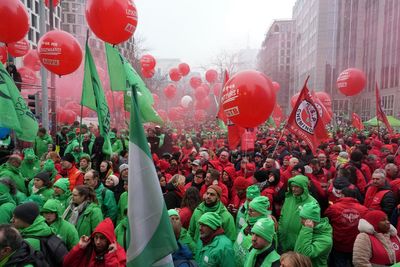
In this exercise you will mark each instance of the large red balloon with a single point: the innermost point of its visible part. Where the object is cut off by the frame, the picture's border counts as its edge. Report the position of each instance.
(170, 91)
(19, 49)
(47, 3)
(14, 21)
(184, 69)
(195, 82)
(351, 82)
(148, 62)
(324, 98)
(217, 89)
(59, 52)
(276, 86)
(31, 60)
(200, 93)
(148, 73)
(66, 116)
(113, 21)
(3, 54)
(174, 74)
(294, 98)
(248, 98)
(211, 75)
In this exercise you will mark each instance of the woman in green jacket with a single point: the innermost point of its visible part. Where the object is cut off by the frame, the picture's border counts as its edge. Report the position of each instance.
(42, 186)
(66, 231)
(83, 211)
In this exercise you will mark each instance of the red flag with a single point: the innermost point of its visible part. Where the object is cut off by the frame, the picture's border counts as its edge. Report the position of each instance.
(322, 110)
(356, 122)
(305, 121)
(380, 115)
(235, 133)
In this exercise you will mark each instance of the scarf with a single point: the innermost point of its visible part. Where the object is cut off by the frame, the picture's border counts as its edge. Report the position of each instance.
(209, 239)
(260, 253)
(75, 212)
(213, 208)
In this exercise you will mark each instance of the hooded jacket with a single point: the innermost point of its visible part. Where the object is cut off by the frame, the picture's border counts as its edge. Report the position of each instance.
(122, 206)
(88, 220)
(289, 222)
(36, 230)
(315, 243)
(8, 170)
(64, 230)
(106, 200)
(29, 169)
(218, 253)
(40, 145)
(23, 256)
(87, 257)
(7, 206)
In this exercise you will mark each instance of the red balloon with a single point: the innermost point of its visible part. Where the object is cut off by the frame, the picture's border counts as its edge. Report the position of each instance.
(294, 98)
(248, 98)
(148, 73)
(112, 21)
(170, 91)
(31, 60)
(351, 82)
(200, 93)
(47, 3)
(324, 98)
(19, 49)
(204, 103)
(14, 21)
(276, 86)
(148, 62)
(200, 115)
(59, 52)
(3, 54)
(206, 88)
(217, 89)
(174, 74)
(195, 82)
(28, 76)
(184, 69)
(211, 75)
(66, 116)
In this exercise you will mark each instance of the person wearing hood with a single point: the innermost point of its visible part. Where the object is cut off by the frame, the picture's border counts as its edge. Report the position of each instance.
(105, 170)
(42, 186)
(48, 167)
(289, 221)
(274, 190)
(212, 203)
(213, 248)
(30, 165)
(116, 144)
(7, 204)
(315, 237)
(52, 211)
(263, 251)
(99, 249)
(31, 225)
(228, 177)
(175, 191)
(258, 208)
(84, 163)
(11, 170)
(75, 149)
(41, 143)
(252, 192)
(17, 196)
(239, 188)
(377, 244)
(62, 192)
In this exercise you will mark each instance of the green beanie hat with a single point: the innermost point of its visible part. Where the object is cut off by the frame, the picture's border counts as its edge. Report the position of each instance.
(311, 211)
(85, 156)
(264, 228)
(63, 184)
(211, 219)
(173, 212)
(261, 205)
(252, 191)
(29, 154)
(52, 205)
(48, 165)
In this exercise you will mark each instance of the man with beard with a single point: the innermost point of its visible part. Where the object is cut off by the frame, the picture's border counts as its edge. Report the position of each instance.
(212, 203)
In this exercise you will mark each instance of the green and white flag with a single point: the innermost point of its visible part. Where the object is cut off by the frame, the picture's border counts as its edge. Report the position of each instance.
(93, 98)
(14, 113)
(151, 239)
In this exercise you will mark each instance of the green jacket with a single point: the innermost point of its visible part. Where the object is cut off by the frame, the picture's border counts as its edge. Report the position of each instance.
(44, 193)
(64, 199)
(289, 222)
(219, 253)
(241, 216)
(116, 146)
(88, 220)
(29, 169)
(19, 197)
(8, 170)
(186, 239)
(40, 145)
(228, 223)
(107, 202)
(271, 257)
(7, 206)
(64, 230)
(122, 206)
(121, 232)
(242, 246)
(37, 229)
(315, 243)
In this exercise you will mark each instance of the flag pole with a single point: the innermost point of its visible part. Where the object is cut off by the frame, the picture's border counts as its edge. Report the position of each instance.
(81, 115)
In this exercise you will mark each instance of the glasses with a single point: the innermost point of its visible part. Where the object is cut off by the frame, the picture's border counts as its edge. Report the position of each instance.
(199, 176)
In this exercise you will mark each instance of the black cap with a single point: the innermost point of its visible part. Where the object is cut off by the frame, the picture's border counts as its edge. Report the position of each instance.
(261, 175)
(44, 176)
(299, 168)
(68, 157)
(27, 212)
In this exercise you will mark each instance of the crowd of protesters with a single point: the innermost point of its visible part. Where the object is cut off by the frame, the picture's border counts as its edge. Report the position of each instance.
(277, 204)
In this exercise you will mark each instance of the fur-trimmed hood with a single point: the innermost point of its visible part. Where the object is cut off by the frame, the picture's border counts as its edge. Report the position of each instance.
(365, 227)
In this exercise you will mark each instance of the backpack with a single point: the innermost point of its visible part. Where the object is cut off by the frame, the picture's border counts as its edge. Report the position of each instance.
(53, 249)
(28, 256)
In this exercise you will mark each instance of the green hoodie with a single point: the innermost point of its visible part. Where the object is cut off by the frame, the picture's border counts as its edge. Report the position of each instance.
(228, 224)
(64, 230)
(218, 253)
(88, 220)
(106, 200)
(36, 230)
(7, 206)
(289, 222)
(121, 232)
(44, 193)
(8, 170)
(40, 145)
(29, 169)
(65, 198)
(315, 243)
(122, 206)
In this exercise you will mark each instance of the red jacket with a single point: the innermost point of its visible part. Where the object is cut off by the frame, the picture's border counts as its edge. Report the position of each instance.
(344, 216)
(75, 177)
(185, 214)
(87, 257)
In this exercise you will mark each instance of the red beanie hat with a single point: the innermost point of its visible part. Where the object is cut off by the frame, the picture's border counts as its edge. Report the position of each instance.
(374, 217)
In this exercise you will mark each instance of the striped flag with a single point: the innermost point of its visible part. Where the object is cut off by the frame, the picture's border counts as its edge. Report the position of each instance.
(151, 239)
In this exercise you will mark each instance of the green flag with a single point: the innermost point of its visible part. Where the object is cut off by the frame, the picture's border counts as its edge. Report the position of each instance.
(14, 113)
(93, 98)
(116, 70)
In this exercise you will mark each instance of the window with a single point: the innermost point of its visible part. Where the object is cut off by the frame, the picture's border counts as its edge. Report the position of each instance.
(70, 18)
(387, 103)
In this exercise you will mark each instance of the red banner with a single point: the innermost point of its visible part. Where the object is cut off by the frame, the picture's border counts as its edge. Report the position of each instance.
(380, 115)
(357, 122)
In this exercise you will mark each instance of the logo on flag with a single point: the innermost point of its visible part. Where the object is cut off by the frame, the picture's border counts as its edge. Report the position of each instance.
(306, 116)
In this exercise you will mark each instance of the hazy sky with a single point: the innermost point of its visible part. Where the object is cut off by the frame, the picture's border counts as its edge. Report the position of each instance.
(197, 30)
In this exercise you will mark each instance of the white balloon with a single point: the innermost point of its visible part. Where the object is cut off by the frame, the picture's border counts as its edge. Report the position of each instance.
(186, 100)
